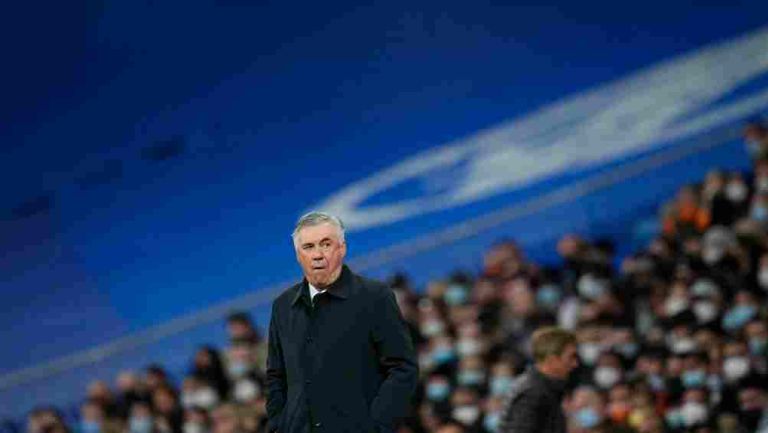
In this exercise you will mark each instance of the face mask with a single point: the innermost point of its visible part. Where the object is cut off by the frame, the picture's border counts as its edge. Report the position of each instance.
(443, 355)
(500, 385)
(206, 398)
(438, 391)
(703, 288)
(455, 295)
(140, 424)
(90, 427)
(736, 191)
(588, 418)
(705, 311)
(759, 213)
(548, 297)
(738, 316)
(590, 287)
(693, 413)
(246, 390)
(757, 345)
(675, 305)
(674, 419)
(606, 377)
(762, 183)
(628, 350)
(682, 345)
(492, 422)
(735, 367)
(694, 378)
(471, 377)
(468, 347)
(193, 427)
(238, 369)
(762, 278)
(589, 352)
(432, 328)
(712, 255)
(656, 382)
(466, 415)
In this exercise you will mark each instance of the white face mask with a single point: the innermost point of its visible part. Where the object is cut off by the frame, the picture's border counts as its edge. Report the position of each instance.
(206, 398)
(712, 255)
(735, 367)
(589, 352)
(693, 413)
(193, 427)
(591, 287)
(762, 278)
(466, 415)
(432, 328)
(606, 377)
(705, 311)
(675, 305)
(736, 191)
(246, 390)
(468, 347)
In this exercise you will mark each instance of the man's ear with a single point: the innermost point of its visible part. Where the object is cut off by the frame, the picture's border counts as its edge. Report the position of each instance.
(343, 249)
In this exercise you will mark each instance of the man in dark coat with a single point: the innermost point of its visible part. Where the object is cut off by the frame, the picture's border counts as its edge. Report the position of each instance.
(340, 357)
(534, 402)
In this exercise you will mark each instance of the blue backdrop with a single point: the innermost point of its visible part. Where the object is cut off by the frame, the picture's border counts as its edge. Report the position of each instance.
(156, 154)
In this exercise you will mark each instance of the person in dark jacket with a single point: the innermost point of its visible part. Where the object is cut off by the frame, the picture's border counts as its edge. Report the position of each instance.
(340, 358)
(534, 402)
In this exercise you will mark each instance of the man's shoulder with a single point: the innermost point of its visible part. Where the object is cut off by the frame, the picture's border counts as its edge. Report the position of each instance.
(370, 286)
(287, 295)
(525, 385)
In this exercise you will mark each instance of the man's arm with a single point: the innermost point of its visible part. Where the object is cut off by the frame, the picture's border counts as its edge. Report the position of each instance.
(397, 358)
(521, 414)
(276, 384)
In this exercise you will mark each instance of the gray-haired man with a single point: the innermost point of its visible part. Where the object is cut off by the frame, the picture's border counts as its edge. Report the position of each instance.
(340, 357)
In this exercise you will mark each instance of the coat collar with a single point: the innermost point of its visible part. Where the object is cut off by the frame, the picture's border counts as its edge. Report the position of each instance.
(556, 386)
(339, 288)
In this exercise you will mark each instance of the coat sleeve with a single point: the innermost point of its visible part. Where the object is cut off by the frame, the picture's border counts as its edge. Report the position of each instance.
(521, 414)
(276, 383)
(397, 360)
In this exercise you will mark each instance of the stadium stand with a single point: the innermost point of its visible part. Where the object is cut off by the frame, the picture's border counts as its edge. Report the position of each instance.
(673, 340)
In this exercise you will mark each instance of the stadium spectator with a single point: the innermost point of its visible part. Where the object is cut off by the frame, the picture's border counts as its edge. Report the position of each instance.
(209, 368)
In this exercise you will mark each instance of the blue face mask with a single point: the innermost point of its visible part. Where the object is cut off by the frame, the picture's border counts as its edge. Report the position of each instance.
(238, 369)
(628, 350)
(694, 378)
(443, 355)
(588, 418)
(548, 297)
(455, 295)
(759, 213)
(90, 427)
(438, 391)
(738, 316)
(471, 377)
(140, 425)
(757, 345)
(500, 385)
(492, 422)
(656, 382)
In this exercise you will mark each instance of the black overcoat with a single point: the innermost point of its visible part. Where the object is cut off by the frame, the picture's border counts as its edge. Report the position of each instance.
(346, 364)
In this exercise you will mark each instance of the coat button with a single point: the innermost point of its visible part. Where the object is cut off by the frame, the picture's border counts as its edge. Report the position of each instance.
(309, 339)
(307, 381)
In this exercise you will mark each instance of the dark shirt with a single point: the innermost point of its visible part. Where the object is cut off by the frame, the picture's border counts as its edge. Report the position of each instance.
(534, 405)
(346, 364)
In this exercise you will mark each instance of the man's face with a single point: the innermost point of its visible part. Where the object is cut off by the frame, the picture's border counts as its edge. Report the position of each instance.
(320, 254)
(564, 364)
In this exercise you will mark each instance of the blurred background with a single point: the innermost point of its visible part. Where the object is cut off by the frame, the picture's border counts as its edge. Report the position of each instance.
(600, 165)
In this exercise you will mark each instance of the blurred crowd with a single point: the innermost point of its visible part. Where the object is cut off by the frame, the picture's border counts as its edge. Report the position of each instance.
(672, 339)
